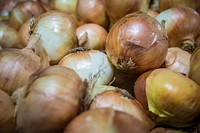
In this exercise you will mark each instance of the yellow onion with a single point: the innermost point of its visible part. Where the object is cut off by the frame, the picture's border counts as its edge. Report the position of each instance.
(58, 34)
(173, 97)
(137, 43)
(178, 60)
(16, 65)
(91, 65)
(92, 36)
(6, 113)
(182, 26)
(9, 37)
(92, 11)
(49, 101)
(152, 13)
(105, 120)
(23, 11)
(195, 66)
(166, 4)
(117, 9)
(120, 101)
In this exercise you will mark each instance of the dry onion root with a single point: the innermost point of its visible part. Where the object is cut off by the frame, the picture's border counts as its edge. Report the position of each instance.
(49, 101)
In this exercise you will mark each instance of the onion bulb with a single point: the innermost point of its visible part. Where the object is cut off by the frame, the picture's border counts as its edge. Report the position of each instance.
(91, 65)
(58, 34)
(6, 113)
(9, 37)
(92, 36)
(195, 66)
(49, 101)
(119, 101)
(182, 26)
(173, 97)
(18, 64)
(117, 9)
(23, 11)
(178, 60)
(92, 11)
(105, 120)
(137, 43)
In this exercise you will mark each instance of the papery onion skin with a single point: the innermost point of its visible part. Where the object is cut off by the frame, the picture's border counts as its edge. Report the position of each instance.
(49, 101)
(173, 97)
(92, 66)
(16, 67)
(6, 113)
(58, 34)
(24, 11)
(93, 11)
(105, 120)
(166, 4)
(137, 43)
(119, 102)
(92, 36)
(178, 60)
(9, 37)
(182, 26)
(195, 66)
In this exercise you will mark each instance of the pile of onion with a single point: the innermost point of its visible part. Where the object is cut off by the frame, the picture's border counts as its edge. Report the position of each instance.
(49, 101)
(137, 43)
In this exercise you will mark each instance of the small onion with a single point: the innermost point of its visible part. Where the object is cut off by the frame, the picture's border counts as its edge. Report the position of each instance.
(194, 72)
(91, 65)
(173, 97)
(182, 26)
(178, 60)
(58, 34)
(120, 102)
(49, 101)
(92, 11)
(9, 37)
(24, 11)
(92, 36)
(117, 9)
(105, 121)
(137, 43)
(18, 64)
(6, 113)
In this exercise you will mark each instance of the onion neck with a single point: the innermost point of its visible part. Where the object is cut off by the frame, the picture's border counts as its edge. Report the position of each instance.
(188, 46)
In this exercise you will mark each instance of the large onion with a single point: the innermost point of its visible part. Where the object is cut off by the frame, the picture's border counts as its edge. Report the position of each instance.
(137, 43)
(58, 34)
(49, 101)
(6, 113)
(182, 25)
(105, 121)
(173, 97)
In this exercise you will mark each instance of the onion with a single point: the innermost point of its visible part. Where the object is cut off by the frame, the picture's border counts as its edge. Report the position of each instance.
(173, 97)
(49, 101)
(119, 101)
(166, 4)
(178, 60)
(152, 13)
(6, 113)
(92, 36)
(9, 37)
(105, 121)
(92, 11)
(18, 64)
(182, 25)
(168, 130)
(24, 11)
(195, 66)
(91, 65)
(58, 34)
(117, 9)
(137, 43)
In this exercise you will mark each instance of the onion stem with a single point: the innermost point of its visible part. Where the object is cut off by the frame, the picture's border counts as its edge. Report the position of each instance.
(188, 46)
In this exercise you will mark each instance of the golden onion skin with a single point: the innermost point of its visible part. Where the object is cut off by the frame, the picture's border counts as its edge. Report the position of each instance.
(173, 97)
(137, 43)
